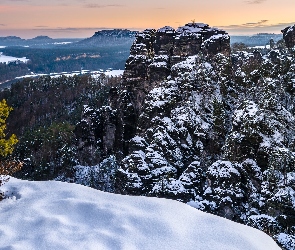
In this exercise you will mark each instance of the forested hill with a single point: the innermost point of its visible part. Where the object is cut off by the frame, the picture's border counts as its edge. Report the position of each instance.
(190, 121)
(108, 37)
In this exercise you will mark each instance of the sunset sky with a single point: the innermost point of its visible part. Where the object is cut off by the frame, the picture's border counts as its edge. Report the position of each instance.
(81, 18)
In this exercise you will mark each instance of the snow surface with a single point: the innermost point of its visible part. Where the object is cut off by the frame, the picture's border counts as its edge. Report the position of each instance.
(94, 74)
(56, 215)
(267, 46)
(7, 59)
(114, 73)
(57, 43)
(166, 29)
(194, 28)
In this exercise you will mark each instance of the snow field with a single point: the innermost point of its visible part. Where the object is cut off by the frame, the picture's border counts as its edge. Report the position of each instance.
(56, 215)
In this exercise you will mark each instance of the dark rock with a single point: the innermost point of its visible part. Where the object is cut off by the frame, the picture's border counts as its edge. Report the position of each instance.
(218, 43)
(97, 130)
(159, 69)
(164, 41)
(289, 36)
(154, 52)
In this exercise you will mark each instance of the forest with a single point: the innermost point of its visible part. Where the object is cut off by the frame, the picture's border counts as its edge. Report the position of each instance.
(45, 113)
(67, 59)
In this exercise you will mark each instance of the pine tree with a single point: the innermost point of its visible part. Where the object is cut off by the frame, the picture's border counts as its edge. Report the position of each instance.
(6, 145)
(7, 166)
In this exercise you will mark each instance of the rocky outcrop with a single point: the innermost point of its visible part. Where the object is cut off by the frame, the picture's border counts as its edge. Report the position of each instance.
(116, 33)
(149, 95)
(105, 37)
(154, 54)
(289, 36)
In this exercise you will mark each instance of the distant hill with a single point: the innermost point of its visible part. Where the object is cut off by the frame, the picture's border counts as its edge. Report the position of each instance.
(38, 41)
(260, 39)
(100, 38)
(41, 38)
(107, 37)
(11, 40)
(105, 49)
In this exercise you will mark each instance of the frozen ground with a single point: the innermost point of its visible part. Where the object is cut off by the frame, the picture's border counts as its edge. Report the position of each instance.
(55, 215)
(7, 59)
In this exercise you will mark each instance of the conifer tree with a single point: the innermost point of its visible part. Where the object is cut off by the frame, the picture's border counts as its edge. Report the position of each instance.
(7, 166)
(6, 145)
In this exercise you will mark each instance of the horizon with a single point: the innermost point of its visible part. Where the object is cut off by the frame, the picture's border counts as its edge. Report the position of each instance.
(46, 35)
(80, 19)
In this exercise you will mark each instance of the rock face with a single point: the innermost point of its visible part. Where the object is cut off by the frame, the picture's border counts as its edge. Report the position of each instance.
(289, 36)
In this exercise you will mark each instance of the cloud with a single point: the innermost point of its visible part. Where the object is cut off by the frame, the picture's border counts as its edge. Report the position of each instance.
(262, 26)
(41, 26)
(261, 23)
(255, 1)
(99, 6)
(69, 29)
(19, 1)
(75, 30)
(2, 24)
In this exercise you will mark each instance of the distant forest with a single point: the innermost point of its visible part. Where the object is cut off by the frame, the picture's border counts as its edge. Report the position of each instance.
(63, 59)
(66, 58)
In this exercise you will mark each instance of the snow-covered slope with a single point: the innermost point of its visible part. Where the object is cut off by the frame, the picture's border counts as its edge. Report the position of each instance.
(55, 215)
(7, 59)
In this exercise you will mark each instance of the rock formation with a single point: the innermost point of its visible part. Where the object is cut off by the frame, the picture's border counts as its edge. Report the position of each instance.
(154, 52)
(289, 36)
(153, 55)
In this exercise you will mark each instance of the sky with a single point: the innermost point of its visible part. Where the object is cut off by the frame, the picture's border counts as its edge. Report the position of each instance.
(81, 18)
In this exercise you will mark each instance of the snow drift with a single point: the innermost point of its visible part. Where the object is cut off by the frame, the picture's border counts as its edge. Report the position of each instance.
(55, 215)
